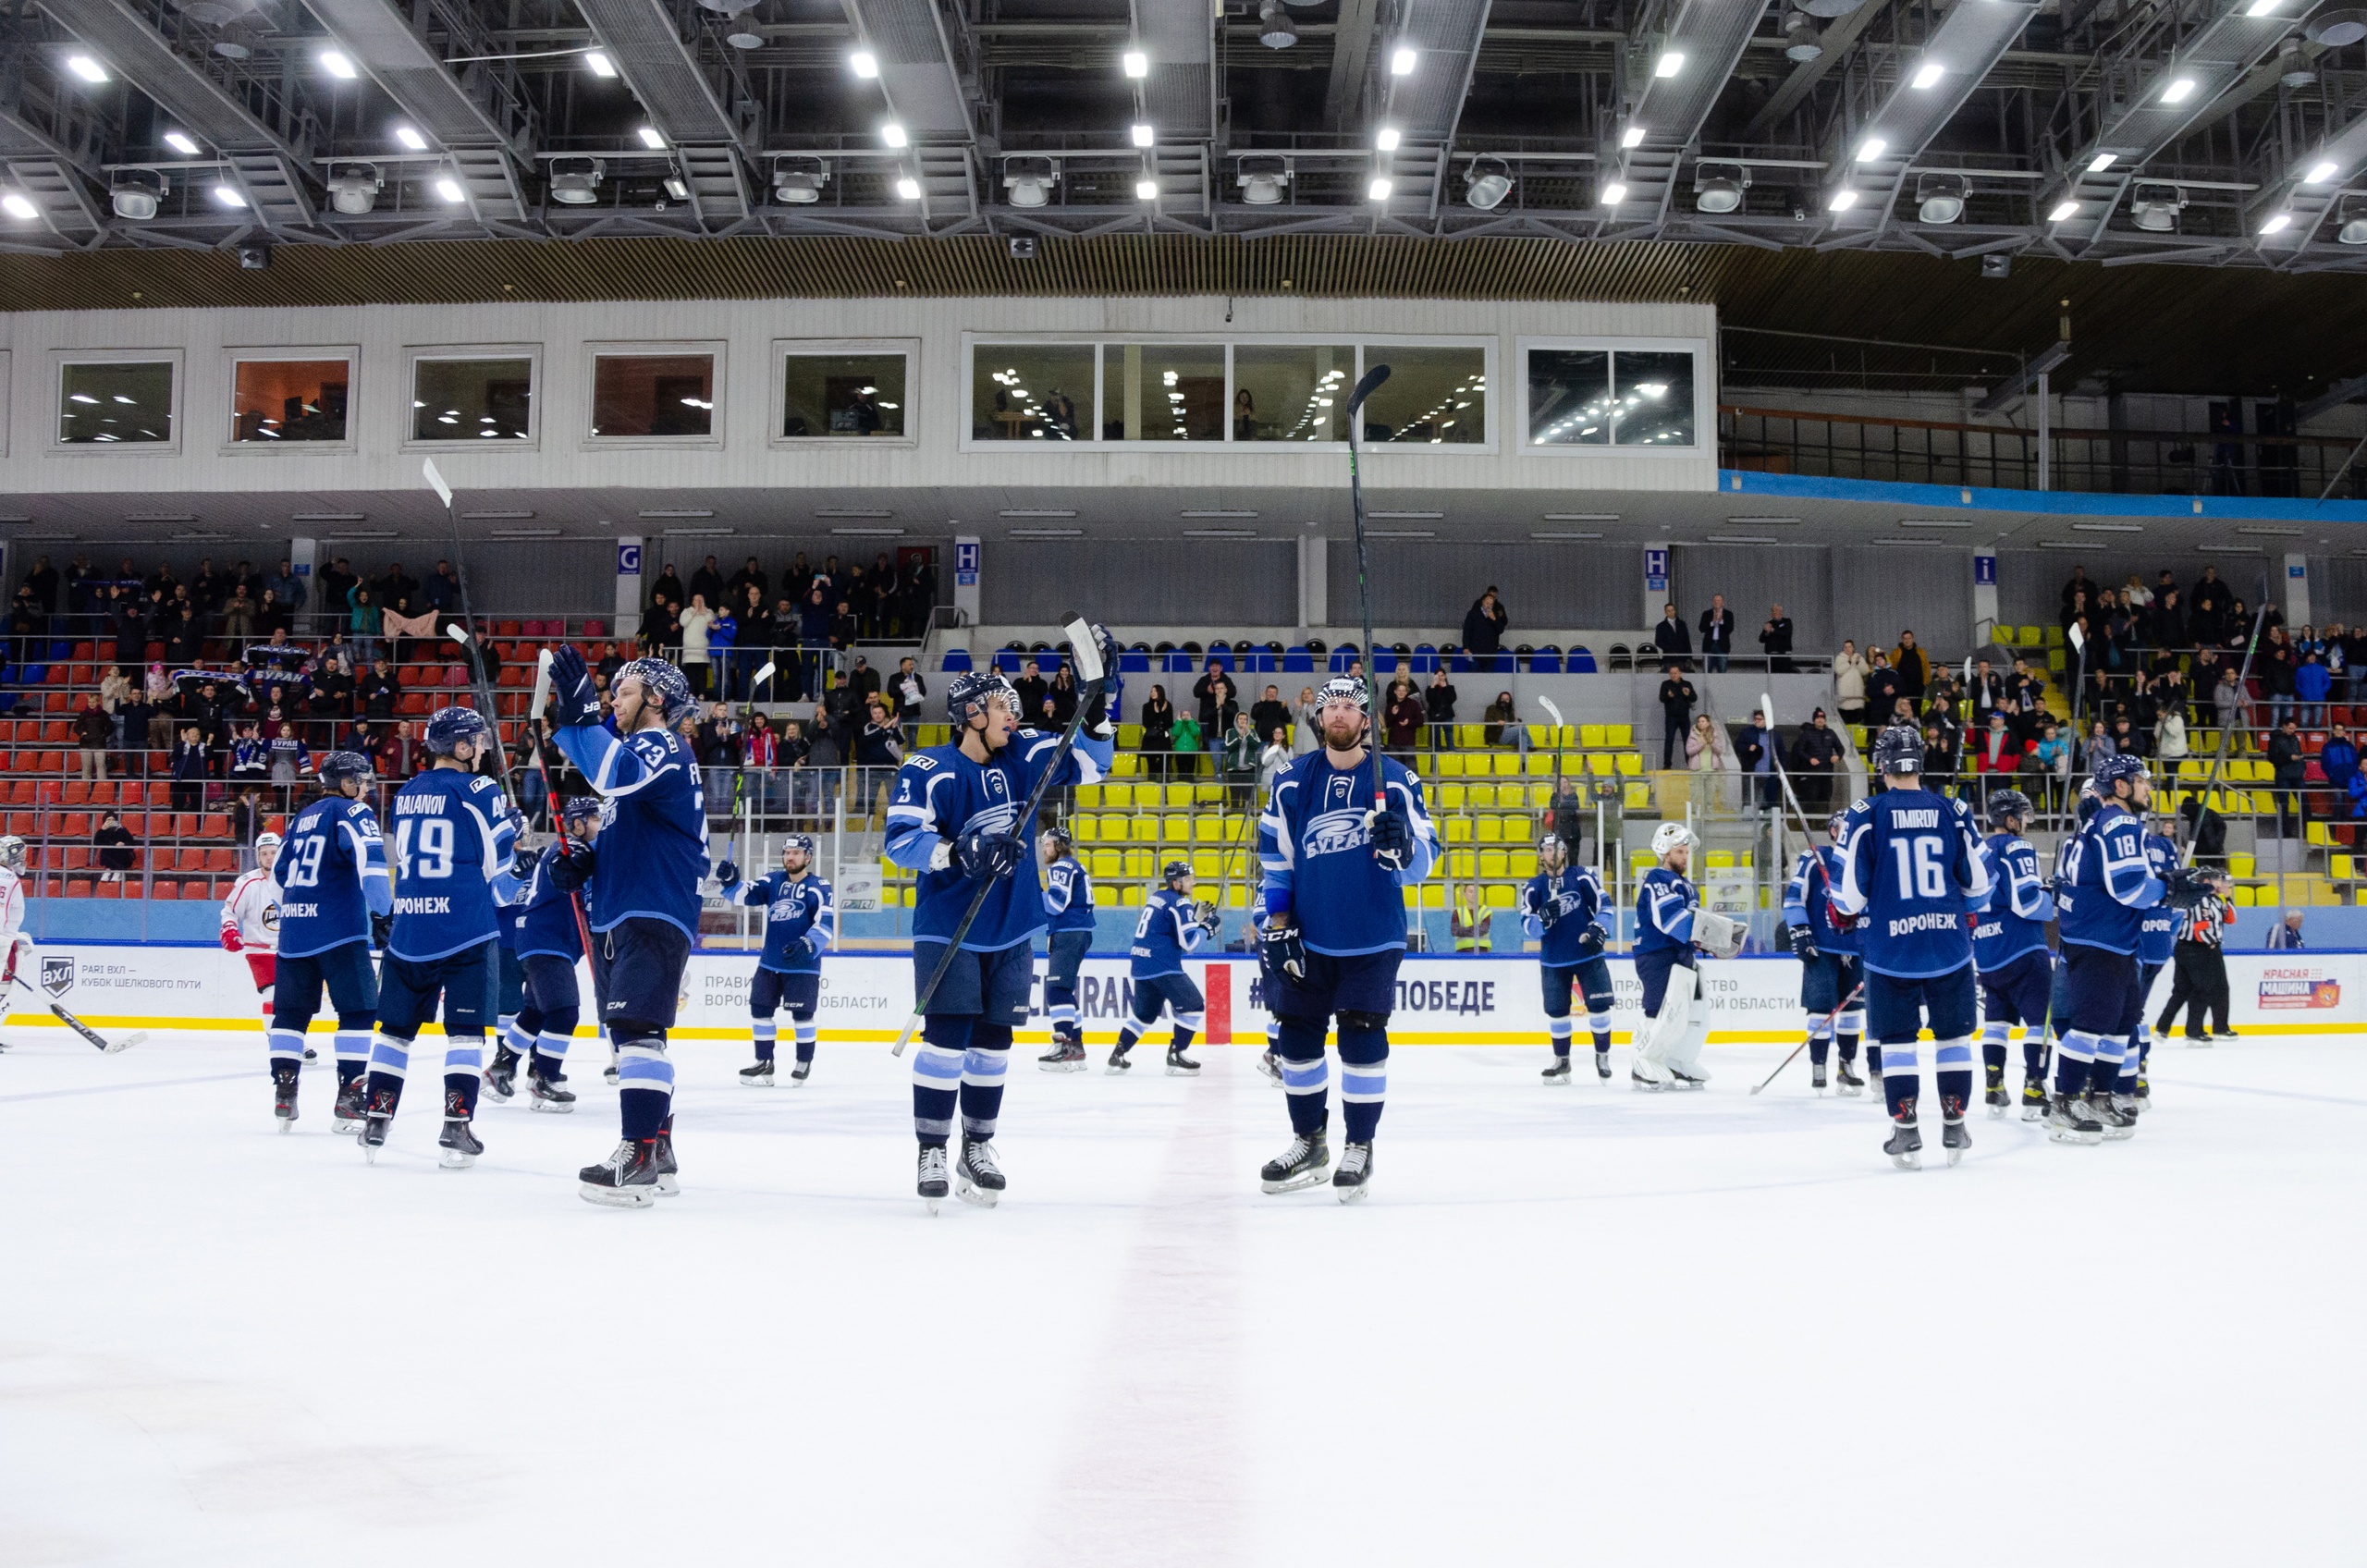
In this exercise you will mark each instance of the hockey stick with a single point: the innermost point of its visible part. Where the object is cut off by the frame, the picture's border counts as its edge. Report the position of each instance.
(2226, 732)
(469, 621)
(109, 1047)
(1816, 856)
(550, 790)
(1087, 651)
(1364, 389)
(1855, 992)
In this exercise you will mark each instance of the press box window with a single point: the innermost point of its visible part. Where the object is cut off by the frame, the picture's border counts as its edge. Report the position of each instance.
(128, 401)
(1610, 397)
(1293, 392)
(841, 395)
(1032, 392)
(1433, 397)
(644, 395)
(471, 400)
(289, 401)
(1162, 392)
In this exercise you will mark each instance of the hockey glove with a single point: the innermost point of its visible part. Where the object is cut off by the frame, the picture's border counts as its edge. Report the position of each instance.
(1205, 915)
(382, 928)
(727, 876)
(982, 855)
(573, 869)
(1282, 952)
(1803, 942)
(1393, 837)
(2187, 887)
(231, 941)
(1590, 941)
(575, 699)
(1549, 913)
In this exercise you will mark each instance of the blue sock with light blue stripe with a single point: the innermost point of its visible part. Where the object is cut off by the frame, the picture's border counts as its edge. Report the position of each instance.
(644, 1086)
(463, 1061)
(1305, 1074)
(937, 1075)
(1364, 1079)
(983, 1066)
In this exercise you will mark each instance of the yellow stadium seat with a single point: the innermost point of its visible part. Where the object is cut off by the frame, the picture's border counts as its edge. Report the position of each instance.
(1212, 829)
(1617, 735)
(1142, 829)
(1130, 736)
(1640, 860)
(1427, 764)
(1175, 828)
(2243, 898)
(1539, 735)
(2264, 896)
(1723, 860)
(2340, 866)
(1524, 863)
(1105, 864)
(1450, 796)
(1457, 830)
(1639, 797)
(2029, 638)
(1205, 863)
(1590, 735)
(1412, 894)
(1141, 863)
(1518, 829)
(1494, 863)
(1508, 765)
(1540, 795)
(1460, 863)
(1084, 829)
(1131, 895)
(1538, 765)
(1600, 765)
(1469, 736)
(2320, 833)
(1491, 831)
(1502, 895)
(1450, 765)
(1631, 765)
(2192, 768)
(1125, 764)
(2363, 897)
(1207, 794)
(1088, 797)
(1236, 897)
(1484, 796)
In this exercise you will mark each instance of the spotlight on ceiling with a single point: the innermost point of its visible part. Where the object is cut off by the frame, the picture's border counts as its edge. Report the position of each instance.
(1719, 192)
(2337, 30)
(449, 191)
(2156, 208)
(578, 184)
(138, 193)
(1275, 29)
(1265, 180)
(676, 185)
(908, 188)
(744, 37)
(17, 205)
(799, 183)
(1030, 180)
(355, 191)
(1800, 44)
(1136, 64)
(2293, 68)
(1145, 191)
(1487, 182)
(1939, 198)
(865, 64)
(182, 143)
(2352, 232)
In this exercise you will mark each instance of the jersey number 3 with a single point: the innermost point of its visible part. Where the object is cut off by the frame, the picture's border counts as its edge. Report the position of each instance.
(434, 843)
(1922, 867)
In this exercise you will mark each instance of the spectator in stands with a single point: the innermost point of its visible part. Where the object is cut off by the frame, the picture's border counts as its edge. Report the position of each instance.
(1438, 705)
(2339, 758)
(2053, 754)
(1987, 689)
(1470, 922)
(290, 760)
(441, 590)
(1218, 705)
(2275, 665)
(1269, 713)
(2228, 703)
(379, 691)
(1882, 691)
(2077, 585)
(752, 575)
(1775, 641)
(2165, 623)
(1717, 626)
(25, 627)
(1705, 755)
(706, 582)
(1241, 752)
(93, 731)
(2311, 684)
(239, 624)
(2209, 607)
(2169, 732)
(2286, 935)
(1063, 695)
(697, 622)
(113, 843)
(1849, 671)
(1502, 725)
(1402, 718)
(115, 690)
(1158, 720)
(2291, 766)
(2237, 633)
(286, 587)
(250, 760)
(1275, 758)
(907, 687)
(1678, 697)
(362, 618)
(41, 583)
(717, 744)
(1187, 743)
(1912, 667)
(1306, 727)
(1483, 628)
(1755, 750)
(1670, 638)
(331, 697)
(2354, 662)
(754, 638)
(1996, 752)
(1031, 686)
(760, 745)
(190, 766)
(2127, 738)
(2095, 746)
(395, 585)
(1816, 763)
(129, 623)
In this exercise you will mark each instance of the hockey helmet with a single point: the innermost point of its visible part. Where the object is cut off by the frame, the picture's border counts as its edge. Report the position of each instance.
(1835, 822)
(578, 808)
(660, 683)
(1551, 853)
(1175, 871)
(1898, 749)
(2007, 804)
(801, 842)
(2090, 802)
(1343, 689)
(447, 729)
(1056, 839)
(2112, 769)
(339, 768)
(969, 694)
(1670, 837)
(268, 841)
(12, 853)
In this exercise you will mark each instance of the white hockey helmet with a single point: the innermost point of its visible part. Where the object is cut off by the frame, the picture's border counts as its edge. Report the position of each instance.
(12, 853)
(267, 841)
(1670, 837)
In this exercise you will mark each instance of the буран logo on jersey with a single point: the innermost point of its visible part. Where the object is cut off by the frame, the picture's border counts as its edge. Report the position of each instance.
(57, 974)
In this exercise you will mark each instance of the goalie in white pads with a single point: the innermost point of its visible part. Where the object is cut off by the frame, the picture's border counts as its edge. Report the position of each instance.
(1670, 925)
(18, 953)
(250, 924)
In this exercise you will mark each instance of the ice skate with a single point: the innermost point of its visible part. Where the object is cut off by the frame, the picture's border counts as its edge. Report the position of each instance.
(501, 1074)
(1848, 1085)
(459, 1143)
(1816, 1076)
(1119, 1066)
(2067, 1122)
(348, 1116)
(312, 1055)
(1994, 1096)
(1179, 1065)
(1904, 1145)
(933, 1184)
(2144, 1094)
(2117, 1125)
(1271, 1066)
(547, 1093)
(609, 1074)
(283, 1097)
(1066, 1055)
(760, 1076)
(802, 1071)
(1681, 1079)
(978, 1179)
(661, 1155)
(1602, 1065)
(375, 1120)
(1348, 1182)
(2033, 1100)
(1955, 1139)
(1558, 1075)
(1646, 1075)
(2223, 1032)
(627, 1179)
(1301, 1165)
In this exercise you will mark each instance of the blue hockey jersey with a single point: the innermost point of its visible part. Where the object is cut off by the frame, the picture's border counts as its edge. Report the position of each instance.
(800, 922)
(453, 846)
(547, 929)
(1574, 893)
(1164, 934)
(332, 878)
(1664, 906)
(1068, 895)
(2012, 920)
(1316, 857)
(1911, 866)
(2104, 883)
(1807, 899)
(940, 795)
(2157, 933)
(652, 846)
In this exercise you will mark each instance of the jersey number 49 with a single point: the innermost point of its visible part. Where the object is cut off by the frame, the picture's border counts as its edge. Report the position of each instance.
(434, 843)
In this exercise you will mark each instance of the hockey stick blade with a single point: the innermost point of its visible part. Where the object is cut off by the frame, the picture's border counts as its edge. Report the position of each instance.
(542, 685)
(1087, 647)
(1365, 388)
(763, 676)
(111, 1048)
(435, 481)
(1855, 992)
(1551, 711)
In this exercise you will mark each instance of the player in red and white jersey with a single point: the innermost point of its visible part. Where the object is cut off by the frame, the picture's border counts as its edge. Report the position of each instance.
(251, 923)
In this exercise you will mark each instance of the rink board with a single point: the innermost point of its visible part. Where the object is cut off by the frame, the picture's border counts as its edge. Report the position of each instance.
(1474, 1001)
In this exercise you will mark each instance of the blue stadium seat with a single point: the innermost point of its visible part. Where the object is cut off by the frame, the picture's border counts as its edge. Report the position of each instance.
(1384, 661)
(1545, 662)
(1261, 663)
(1006, 661)
(1298, 661)
(1343, 656)
(1131, 663)
(1460, 664)
(1581, 661)
(957, 661)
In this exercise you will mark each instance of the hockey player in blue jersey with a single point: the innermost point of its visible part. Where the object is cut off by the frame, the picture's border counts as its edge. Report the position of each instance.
(1563, 907)
(333, 890)
(1172, 925)
(954, 821)
(1910, 867)
(1336, 862)
(2009, 952)
(801, 925)
(509, 970)
(453, 846)
(1671, 924)
(549, 943)
(1068, 902)
(1826, 945)
(644, 879)
(2157, 939)
(2104, 886)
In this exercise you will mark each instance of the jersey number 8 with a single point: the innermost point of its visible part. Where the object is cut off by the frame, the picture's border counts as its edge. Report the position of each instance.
(1922, 868)
(304, 862)
(434, 846)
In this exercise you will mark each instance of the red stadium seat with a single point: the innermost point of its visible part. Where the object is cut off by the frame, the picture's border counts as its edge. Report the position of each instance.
(77, 793)
(75, 824)
(164, 890)
(184, 825)
(215, 825)
(223, 860)
(109, 891)
(78, 858)
(595, 629)
(78, 888)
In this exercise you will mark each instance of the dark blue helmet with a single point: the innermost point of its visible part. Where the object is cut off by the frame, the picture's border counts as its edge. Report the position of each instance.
(447, 728)
(1898, 749)
(337, 768)
(663, 684)
(970, 692)
(1834, 824)
(578, 808)
(801, 843)
(1175, 871)
(2115, 768)
(2006, 805)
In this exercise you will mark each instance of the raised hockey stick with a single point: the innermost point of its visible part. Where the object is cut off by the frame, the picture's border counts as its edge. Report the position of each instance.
(1364, 389)
(468, 622)
(1086, 650)
(2219, 754)
(109, 1047)
(1776, 756)
(550, 790)
(1855, 992)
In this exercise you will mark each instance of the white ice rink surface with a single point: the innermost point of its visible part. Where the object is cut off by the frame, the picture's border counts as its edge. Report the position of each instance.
(1569, 1325)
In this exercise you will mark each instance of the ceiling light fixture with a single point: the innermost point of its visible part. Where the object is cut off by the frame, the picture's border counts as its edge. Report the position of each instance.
(1928, 77)
(1047, 534)
(601, 65)
(1719, 194)
(1037, 512)
(1939, 198)
(2273, 533)
(1668, 64)
(678, 511)
(653, 141)
(870, 533)
(1614, 193)
(1633, 136)
(2062, 210)
(1380, 189)
(2107, 527)
(1409, 517)
(524, 532)
(337, 65)
(2261, 7)
(1872, 148)
(1843, 200)
(1142, 134)
(410, 138)
(908, 188)
(1220, 511)
(1580, 517)
(1933, 522)
(1219, 534)
(2321, 173)
(181, 142)
(90, 70)
(2278, 224)
(893, 135)
(578, 187)
(229, 196)
(17, 207)
(1386, 138)
(2101, 162)
(448, 190)
(1742, 539)
(2178, 92)
(355, 191)
(1487, 181)
(138, 193)
(1535, 535)
(865, 64)
(1145, 191)
(2156, 208)
(1401, 61)
(1275, 29)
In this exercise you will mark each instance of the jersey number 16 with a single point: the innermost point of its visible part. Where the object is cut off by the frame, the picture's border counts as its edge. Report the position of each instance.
(434, 843)
(1922, 867)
